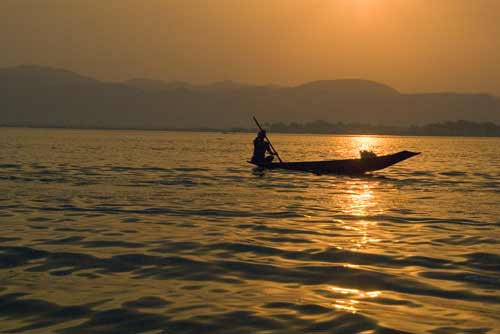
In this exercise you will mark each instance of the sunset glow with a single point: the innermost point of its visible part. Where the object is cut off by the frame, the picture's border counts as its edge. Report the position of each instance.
(366, 143)
(412, 45)
(249, 166)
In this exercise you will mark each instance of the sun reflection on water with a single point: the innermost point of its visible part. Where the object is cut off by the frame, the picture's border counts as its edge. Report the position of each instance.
(361, 198)
(352, 298)
(361, 201)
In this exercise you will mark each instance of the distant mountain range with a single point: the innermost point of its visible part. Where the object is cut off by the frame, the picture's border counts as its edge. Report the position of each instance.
(52, 97)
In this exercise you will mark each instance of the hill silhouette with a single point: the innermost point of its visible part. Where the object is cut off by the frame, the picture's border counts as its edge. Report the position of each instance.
(46, 97)
(31, 75)
(348, 88)
(152, 85)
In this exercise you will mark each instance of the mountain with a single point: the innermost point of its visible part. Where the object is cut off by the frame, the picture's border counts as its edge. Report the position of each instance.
(154, 85)
(44, 96)
(31, 76)
(348, 88)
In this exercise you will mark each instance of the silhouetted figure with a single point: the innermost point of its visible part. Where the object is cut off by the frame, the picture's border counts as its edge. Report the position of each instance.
(260, 147)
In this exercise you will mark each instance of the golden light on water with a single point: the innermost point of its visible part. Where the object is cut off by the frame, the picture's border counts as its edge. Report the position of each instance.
(353, 295)
(360, 201)
(346, 305)
(361, 198)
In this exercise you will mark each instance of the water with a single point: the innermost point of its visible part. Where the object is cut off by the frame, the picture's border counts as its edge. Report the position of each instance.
(164, 232)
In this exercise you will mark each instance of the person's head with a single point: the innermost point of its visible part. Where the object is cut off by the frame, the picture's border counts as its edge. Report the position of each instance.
(262, 134)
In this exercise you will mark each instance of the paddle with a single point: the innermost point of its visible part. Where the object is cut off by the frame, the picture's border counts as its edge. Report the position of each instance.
(270, 145)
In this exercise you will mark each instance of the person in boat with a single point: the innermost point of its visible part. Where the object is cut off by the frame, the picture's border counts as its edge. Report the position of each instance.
(260, 147)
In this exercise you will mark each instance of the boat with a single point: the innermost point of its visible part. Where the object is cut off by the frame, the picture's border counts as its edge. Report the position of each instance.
(345, 166)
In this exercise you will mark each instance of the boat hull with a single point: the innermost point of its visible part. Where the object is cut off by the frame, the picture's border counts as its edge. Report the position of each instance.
(346, 166)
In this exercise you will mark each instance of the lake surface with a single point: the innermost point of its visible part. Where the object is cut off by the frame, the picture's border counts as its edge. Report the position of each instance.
(173, 232)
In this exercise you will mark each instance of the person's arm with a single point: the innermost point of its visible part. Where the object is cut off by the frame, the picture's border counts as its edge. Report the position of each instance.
(269, 148)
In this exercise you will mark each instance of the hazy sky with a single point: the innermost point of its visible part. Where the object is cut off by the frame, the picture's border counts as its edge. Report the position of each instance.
(412, 45)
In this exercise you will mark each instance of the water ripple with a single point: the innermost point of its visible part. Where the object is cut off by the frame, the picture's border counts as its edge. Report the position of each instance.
(163, 232)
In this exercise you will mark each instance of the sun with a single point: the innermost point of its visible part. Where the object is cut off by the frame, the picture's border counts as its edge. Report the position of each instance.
(360, 7)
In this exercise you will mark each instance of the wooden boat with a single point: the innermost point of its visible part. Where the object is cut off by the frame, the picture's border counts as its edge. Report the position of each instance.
(346, 166)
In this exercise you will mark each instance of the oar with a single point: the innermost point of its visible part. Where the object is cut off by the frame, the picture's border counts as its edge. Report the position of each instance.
(270, 144)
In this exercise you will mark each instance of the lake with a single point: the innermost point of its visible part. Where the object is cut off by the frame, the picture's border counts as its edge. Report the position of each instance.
(174, 232)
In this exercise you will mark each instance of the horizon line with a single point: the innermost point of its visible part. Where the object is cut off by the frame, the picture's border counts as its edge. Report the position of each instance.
(229, 130)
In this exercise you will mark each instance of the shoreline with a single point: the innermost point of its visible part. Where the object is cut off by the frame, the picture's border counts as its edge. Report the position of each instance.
(237, 131)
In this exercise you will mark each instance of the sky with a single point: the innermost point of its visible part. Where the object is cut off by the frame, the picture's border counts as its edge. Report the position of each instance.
(411, 45)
